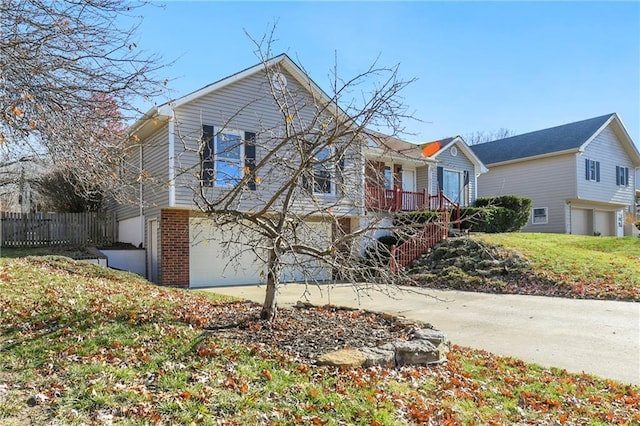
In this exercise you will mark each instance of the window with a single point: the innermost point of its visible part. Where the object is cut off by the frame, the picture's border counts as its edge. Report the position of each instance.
(322, 182)
(228, 158)
(622, 176)
(539, 216)
(451, 185)
(222, 157)
(388, 178)
(592, 170)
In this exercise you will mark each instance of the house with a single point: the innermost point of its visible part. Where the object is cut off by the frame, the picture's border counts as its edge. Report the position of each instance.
(580, 176)
(196, 148)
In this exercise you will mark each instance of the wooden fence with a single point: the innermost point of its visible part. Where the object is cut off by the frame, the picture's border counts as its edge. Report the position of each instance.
(55, 229)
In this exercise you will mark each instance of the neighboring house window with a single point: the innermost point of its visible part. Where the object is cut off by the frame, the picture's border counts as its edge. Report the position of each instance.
(322, 176)
(592, 170)
(539, 216)
(226, 156)
(622, 176)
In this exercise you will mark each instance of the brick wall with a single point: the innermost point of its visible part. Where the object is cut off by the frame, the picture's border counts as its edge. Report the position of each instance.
(174, 243)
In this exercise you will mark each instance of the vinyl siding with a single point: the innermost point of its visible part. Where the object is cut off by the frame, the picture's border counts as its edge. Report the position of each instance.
(548, 182)
(422, 178)
(155, 164)
(459, 163)
(245, 106)
(609, 151)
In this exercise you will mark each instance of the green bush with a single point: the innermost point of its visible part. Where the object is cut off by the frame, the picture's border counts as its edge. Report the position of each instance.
(519, 209)
(416, 218)
(488, 219)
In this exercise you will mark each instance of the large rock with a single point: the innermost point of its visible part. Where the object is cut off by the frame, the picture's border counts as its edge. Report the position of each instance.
(420, 352)
(383, 356)
(349, 358)
(436, 337)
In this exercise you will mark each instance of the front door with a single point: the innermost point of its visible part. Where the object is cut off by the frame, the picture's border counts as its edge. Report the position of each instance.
(409, 201)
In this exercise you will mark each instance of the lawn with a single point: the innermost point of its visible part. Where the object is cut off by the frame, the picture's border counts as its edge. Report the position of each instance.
(595, 267)
(80, 344)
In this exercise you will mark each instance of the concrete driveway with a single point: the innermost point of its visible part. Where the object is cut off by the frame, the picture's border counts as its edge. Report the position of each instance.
(596, 337)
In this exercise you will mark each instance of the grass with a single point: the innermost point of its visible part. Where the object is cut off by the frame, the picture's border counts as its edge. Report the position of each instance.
(82, 344)
(600, 267)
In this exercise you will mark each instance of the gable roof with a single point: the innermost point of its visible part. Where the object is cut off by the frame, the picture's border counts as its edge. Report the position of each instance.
(570, 137)
(446, 143)
(165, 111)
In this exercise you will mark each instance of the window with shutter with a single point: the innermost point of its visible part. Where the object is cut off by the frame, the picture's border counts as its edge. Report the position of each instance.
(222, 156)
(592, 168)
(622, 176)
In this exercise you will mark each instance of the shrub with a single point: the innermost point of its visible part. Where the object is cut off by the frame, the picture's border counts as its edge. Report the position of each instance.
(507, 222)
(415, 218)
(380, 253)
(488, 219)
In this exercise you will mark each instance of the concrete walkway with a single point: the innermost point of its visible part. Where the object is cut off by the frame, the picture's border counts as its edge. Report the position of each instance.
(596, 337)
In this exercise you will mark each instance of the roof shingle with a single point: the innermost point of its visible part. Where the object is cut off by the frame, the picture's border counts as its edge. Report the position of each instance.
(546, 141)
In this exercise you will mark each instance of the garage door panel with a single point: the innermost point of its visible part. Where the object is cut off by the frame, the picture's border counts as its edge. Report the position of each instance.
(604, 223)
(581, 222)
(300, 268)
(214, 263)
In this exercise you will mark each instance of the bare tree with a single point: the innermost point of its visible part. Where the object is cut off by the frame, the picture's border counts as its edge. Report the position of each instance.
(481, 136)
(70, 77)
(294, 202)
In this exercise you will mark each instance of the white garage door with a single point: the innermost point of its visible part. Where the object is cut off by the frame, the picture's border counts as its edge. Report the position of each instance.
(211, 263)
(604, 222)
(303, 268)
(581, 221)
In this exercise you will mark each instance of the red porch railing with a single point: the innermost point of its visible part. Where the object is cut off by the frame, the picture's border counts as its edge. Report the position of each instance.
(395, 200)
(430, 235)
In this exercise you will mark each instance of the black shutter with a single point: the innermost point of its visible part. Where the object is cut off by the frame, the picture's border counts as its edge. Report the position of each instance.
(626, 176)
(597, 171)
(250, 158)
(440, 178)
(207, 161)
(465, 177)
(586, 167)
(618, 176)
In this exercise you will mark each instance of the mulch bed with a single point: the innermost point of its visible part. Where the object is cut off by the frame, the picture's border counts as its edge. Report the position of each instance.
(306, 332)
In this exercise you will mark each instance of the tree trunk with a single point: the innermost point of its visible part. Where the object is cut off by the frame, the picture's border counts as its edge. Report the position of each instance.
(269, 307)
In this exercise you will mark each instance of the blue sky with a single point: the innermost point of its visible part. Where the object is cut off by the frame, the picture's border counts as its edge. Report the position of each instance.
(480, 66)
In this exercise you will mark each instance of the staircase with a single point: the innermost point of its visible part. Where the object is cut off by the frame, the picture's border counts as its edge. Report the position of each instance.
(430, 235)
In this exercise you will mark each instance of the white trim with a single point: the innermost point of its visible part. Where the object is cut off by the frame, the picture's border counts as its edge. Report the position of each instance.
(172, 163)
(467, 151)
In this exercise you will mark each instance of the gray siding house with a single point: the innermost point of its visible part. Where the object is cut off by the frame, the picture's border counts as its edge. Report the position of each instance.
(580, 176)
(182, 157)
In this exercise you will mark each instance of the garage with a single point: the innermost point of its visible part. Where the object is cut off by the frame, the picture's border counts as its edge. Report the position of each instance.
(303, 268)
(213, 263)
(581, 221)
(604, 223)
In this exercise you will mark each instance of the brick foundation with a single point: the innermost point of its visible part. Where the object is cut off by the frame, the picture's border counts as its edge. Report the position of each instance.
(174, 252)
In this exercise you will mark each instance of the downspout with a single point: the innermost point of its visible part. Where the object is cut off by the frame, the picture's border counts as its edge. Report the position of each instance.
(172, 166)
(141, 201)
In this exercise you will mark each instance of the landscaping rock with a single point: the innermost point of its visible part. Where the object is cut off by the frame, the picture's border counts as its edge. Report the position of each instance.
(384, 356)
(420, 352)
(349, 358)
(435, 337)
